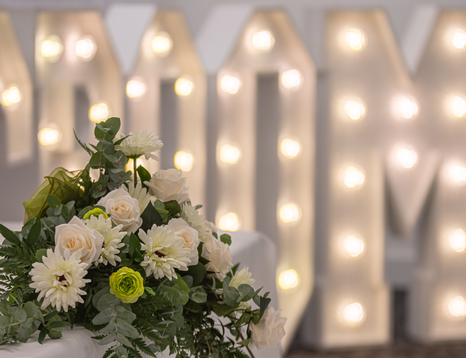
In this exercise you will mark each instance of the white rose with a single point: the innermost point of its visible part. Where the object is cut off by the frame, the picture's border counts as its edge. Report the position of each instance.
(123, 209)
(242, 277)
(169, 185)
(269, 331)
(189, 235)
(219, 255)
(76, 236)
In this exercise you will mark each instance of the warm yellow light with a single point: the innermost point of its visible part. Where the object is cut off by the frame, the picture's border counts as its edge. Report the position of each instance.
(406, 157)
(355, 39)
(459, 39)
(229, 154)
(184, 161)
(51, 48)
(288, 279)
(48, 136)
(230, 84)
(162, 44)
(407, 108)
(263, 41)
(354, 314)
(85, 48)
(289, 213)
(457, 240)
(135, 88)
(289, 148)
(98, 112)
(130, 164)
(353, 177)
(229, 222)
(457, 173)
(353, 245)
(355, 109)
(458, 107)
(183, 87)
(291, 79)
(457, 307)
(11, 96)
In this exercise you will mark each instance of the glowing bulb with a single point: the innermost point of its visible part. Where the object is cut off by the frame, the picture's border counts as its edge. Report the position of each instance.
(354, 314)
(353, 245)
(162, 44)
(98, 112)
(229, 154)
(263, 41)
(457, 240)
(407, 108)
(355, 39)
(458, 107)
(130, 165)
(184, 161)
(230, 84)
(85, 48)
(459, 39)
(183, 87)
(48, 136)
(289, 148)
(288, 279)
(457, 307)
(407, 158)
(229, 222)
(135, 88)
(355, 110)
(353, 177)
(11, 96)
(289, 213)
(51, 48)
(456, 173)
(291, 79)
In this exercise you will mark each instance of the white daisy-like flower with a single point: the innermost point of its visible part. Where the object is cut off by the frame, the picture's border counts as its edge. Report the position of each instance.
(164, 252)
(242, 277)
(140, 143)
(59, 279)
(140, 194)
(112, 239)
(197, 221)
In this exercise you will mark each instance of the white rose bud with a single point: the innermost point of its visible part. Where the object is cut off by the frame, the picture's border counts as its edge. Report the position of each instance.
(189, 235)
(242, 277)
(219, 255)
(269, 331)
(123, 209)
(168, 185)
(76, 236)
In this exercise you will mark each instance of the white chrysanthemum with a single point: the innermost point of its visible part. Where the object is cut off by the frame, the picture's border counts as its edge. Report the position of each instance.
(59, 279)
(112, 239)
(164, 252)
(140, 194)
(196, 220)
(139, 143)
(242, 277)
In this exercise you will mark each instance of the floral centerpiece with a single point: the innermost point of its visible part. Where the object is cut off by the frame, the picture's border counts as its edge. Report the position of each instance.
(128, 257)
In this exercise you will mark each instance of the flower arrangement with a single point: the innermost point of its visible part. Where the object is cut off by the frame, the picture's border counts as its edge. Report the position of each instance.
(128, 257)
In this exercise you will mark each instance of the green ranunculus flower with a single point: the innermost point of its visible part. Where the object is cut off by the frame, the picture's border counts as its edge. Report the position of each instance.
(95, 212)
(127, 285)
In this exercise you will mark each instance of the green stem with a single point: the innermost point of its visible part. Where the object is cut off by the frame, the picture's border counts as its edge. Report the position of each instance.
(135, 171)
(233, 319)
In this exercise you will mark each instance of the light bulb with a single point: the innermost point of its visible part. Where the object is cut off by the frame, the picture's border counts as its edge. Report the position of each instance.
(51, 48)
(355, 39)
(11, 96)
(406, 157)
(48, 136)
(135, 89)
(98, 112)
(353, 245)
(229, 222)
(459, 39)
(354, 314)
(289, 148)
(456, 173)
(229, 154)
(263, 41)
(457, 306)
(162, 44)
(130, 164)
(288, 279)
(291, 79)
(85, 48)
(458, 107)
(183, 87)
(355, 109)
(289, 213)
(353, 177)
(457, 240)
(184, 161)
(407, 108)
(230, 84)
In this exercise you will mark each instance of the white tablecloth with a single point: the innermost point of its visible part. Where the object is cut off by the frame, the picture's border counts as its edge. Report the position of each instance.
(250, 248)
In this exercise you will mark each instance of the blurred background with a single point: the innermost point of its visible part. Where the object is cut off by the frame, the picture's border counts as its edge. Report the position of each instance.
(334, 127)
